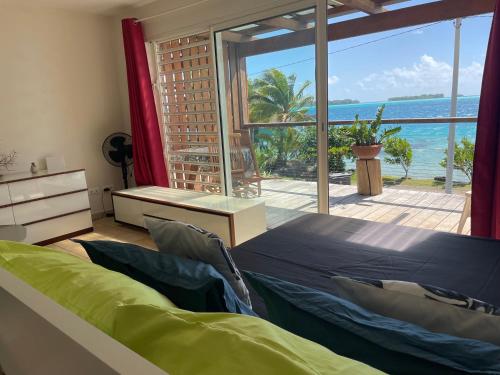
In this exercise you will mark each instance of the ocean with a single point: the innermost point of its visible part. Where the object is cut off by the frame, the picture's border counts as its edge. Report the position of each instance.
(428, 141)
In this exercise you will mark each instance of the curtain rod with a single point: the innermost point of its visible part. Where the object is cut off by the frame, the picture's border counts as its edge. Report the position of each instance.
(172, 11)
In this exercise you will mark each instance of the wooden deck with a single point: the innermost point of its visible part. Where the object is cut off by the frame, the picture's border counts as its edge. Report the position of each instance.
(288, 199)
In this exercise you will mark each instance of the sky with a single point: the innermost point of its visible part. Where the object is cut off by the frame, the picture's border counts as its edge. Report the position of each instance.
(419, 61)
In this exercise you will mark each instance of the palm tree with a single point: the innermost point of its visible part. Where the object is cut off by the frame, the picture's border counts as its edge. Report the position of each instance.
(273, 97)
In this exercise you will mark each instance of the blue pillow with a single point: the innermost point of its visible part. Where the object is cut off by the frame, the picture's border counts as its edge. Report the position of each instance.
(388, 344)
(189, 284)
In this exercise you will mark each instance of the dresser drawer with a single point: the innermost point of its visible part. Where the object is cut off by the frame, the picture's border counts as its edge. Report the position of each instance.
(54, 228)
(50, 207)
(6, 216)
(4, 195)
(46, 186)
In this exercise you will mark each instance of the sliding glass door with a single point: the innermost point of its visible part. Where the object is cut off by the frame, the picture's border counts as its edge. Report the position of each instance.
(268, 105)
(426, 79)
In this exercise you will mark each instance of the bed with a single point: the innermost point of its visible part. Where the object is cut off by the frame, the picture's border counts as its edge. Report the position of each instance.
(60, 314)
(311, 249)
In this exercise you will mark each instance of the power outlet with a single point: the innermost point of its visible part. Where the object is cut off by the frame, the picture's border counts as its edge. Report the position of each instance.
(94, 191)
(108, 188)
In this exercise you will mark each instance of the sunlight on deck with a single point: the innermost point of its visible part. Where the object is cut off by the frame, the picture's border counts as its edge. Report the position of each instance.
(288, 199)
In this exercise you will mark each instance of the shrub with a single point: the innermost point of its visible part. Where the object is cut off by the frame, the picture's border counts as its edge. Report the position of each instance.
(400, 151)
(464, 157)
(338, 147)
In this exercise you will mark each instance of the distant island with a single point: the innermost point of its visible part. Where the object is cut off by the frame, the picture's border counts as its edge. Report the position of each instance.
(416, 97)
(343, 101)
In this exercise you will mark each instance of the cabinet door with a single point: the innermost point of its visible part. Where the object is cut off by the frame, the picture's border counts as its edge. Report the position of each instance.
(58, 227)
(50, 207)
(4, 195)
(6, 216)
(47, 186)
(128, 210)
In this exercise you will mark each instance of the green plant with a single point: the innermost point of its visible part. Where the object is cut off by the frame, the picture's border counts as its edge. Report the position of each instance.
(464, 157)
(283, 142)
(266, 160)
(400, 151)
(275, 97)
(338, 147)
(363, 133)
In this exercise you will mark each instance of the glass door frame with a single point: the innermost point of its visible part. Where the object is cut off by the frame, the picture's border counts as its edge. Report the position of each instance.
(321, 77)
(322, 104)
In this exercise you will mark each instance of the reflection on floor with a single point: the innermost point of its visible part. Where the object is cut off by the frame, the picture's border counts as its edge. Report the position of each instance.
(288, 199)
(107, 229)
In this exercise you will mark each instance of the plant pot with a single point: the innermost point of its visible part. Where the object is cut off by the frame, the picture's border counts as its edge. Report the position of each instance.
(366, 152)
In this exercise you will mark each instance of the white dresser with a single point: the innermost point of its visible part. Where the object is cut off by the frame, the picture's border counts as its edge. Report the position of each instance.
(51, 206)
(235, 220)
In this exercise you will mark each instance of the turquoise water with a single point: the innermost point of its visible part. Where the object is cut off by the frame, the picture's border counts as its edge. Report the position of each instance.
(429, 141)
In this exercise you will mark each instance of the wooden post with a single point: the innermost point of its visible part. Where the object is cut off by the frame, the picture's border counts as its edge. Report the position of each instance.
(369, 176)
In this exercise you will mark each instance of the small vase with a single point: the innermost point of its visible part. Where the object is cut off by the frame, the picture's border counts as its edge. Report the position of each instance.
(33, 168)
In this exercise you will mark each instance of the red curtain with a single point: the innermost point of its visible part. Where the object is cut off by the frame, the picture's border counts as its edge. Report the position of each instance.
(485, 214)
(149, 163)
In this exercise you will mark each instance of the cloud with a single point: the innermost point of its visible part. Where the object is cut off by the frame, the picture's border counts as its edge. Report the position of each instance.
(417, 32)
(428, 75)
(332, 80)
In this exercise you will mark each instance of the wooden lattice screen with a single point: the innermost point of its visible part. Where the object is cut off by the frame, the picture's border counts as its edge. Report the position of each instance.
(188, 108)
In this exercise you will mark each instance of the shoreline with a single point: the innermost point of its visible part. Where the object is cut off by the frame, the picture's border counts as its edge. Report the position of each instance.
(446, 98)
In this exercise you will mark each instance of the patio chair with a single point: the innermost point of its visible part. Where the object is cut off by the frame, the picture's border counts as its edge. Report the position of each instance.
(244, 168)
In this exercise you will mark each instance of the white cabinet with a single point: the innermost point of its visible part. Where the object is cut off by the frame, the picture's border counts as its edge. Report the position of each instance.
(51, 206)
(37, 188)
(234, 220)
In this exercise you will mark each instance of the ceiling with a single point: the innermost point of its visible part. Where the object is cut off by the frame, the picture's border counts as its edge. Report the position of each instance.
(91, 6)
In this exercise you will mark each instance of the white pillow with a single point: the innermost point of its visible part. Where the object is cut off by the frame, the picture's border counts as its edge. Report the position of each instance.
(435, 309)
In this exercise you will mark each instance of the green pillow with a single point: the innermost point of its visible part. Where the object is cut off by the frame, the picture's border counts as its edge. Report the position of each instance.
(388, 344)
(186, 343)
(90, 291)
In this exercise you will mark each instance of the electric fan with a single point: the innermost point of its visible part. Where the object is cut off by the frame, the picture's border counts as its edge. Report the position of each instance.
(117, 150)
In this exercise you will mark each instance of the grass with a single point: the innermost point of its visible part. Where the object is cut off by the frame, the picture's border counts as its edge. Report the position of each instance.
(420, 183)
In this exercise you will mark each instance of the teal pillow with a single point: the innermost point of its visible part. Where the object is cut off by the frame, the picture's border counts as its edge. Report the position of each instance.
(388, 344)
(189, 284)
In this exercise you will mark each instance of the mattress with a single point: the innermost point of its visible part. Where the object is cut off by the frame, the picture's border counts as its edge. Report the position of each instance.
(313, 248)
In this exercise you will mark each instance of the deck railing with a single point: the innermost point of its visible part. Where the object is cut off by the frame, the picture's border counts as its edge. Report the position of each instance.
(394, 121)
(406, 120)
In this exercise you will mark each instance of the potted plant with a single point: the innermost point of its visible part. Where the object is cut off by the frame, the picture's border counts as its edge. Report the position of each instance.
(367, 141)
(7, 160)
(367, 137)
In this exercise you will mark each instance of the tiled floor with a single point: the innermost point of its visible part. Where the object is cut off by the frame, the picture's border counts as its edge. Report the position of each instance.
(107, 229)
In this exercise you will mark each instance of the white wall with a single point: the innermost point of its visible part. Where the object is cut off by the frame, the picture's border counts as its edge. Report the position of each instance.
(59, 89)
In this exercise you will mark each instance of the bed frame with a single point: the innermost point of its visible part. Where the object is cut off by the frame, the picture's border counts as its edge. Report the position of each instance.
(38, 336)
